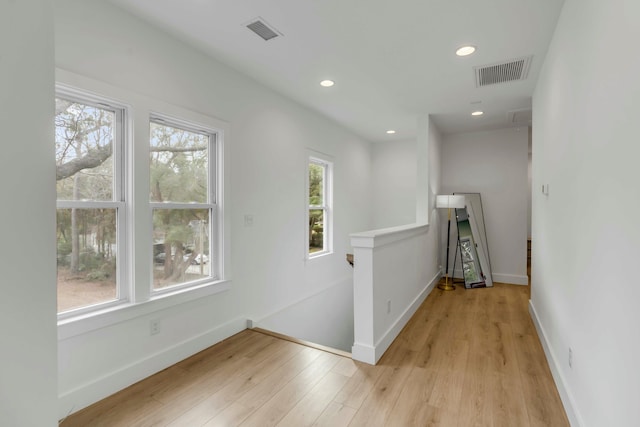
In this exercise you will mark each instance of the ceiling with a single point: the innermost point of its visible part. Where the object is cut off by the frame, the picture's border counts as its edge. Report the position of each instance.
(392, 61)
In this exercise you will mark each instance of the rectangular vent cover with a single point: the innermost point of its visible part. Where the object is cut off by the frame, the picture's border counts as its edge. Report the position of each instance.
(503, 72)
(261, 28)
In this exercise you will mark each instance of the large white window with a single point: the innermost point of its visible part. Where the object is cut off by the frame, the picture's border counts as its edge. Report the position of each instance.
(120, 241)
(183, 202)
(319, 213)
(91, 214)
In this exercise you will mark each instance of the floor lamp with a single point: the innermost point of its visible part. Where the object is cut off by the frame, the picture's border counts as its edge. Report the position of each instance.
(449, 202)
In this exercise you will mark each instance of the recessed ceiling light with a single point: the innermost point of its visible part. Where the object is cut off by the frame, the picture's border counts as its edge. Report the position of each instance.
(327, 83)
(391, 131)
(477, 113)
(465, 50)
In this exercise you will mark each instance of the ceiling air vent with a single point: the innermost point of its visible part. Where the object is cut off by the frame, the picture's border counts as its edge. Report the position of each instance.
(503, 72)
(264, 30)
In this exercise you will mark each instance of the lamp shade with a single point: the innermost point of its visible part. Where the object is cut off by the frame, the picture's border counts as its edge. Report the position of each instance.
(450, 201)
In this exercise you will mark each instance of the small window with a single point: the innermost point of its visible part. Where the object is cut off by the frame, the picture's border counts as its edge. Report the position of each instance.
(182, 179)
(319, 207)
(90, 214)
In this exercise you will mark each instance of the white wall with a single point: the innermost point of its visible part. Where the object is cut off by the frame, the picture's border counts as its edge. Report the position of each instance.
(268, 139)
(530, 195)
(494, 164)
(530, 180)
(394, 183)
(395, 177)
(303, 319)
(584, 295)
(28, 375)
(435, 166)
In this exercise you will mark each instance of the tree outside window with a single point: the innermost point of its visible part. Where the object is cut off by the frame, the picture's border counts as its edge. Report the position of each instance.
(95, 187)
(319, 214)
(182, 201)
(90, 203)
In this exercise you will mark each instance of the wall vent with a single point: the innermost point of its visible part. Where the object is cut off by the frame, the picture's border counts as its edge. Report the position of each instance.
(264, 30)
(503, 72)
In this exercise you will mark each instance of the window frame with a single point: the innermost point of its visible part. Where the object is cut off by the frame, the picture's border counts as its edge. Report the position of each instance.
(119, 200)
(326, 162)
(211, 205)
(135, 269)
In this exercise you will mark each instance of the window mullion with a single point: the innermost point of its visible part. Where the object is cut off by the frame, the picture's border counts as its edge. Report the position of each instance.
(171, 205)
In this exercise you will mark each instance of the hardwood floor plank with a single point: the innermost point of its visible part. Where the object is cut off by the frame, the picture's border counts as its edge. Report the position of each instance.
(231, 416)
(475, 403)
(543, 401)
(346, 367)
(359, 386)
(377, 407)
(312, 405)
(466, 358)
(290, 394)
(411, 407)
(258, 395)
(125, 413)
(241, 382)
(335, 415)
(447, 389)
(508, 405)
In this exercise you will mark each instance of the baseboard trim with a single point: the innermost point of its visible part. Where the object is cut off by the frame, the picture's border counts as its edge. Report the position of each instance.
(565, 394)
(371, 355)
(511, 279)
(303, 342)
(364, 353)
(94, 391)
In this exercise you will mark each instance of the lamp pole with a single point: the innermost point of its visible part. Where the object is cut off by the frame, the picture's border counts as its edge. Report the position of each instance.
(446, 286)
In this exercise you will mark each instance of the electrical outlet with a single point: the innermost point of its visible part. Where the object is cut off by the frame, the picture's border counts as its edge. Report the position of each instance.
(154, 327)
(388, 306)
(570, 358)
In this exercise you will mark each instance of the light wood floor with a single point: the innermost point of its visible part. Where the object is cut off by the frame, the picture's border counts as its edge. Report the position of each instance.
(466, 358)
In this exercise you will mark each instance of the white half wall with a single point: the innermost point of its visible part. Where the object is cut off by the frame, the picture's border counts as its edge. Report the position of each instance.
(397, 267)
(585, 238)
(267, 142)
(391, 280)
(28, 374)
(494, 164)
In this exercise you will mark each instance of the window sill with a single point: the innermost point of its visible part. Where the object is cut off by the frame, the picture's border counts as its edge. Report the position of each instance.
(87, 322)
(318, 255)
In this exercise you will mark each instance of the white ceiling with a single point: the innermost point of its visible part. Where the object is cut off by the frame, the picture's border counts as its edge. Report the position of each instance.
(392, 61)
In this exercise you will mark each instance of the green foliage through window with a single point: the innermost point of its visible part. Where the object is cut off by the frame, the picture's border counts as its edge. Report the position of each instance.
(179, 187)
(317, 206)
(85, 141)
